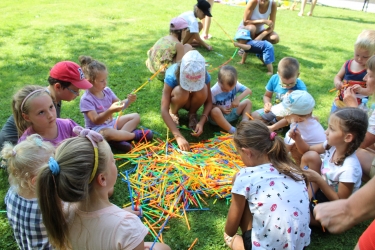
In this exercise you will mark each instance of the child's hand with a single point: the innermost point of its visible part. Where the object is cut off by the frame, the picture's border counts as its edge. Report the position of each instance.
(235, 103)
(116, 107)
(294, 133)
(338, 84)
(198, 130)
(356, 88)
(236, 44)
(183, 144)
(312, 175)
(129, 209)
(267, 107)
(132, 98)
(226, 110)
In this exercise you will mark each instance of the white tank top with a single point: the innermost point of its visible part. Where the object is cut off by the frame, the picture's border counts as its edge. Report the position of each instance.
(257, 15)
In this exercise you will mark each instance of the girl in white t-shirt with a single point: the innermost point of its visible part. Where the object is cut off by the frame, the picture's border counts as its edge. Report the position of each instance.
(269, 197)
(82, 174)
(339, 174)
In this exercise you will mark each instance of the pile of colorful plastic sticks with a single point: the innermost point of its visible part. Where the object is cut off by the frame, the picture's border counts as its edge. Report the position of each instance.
(166, 182)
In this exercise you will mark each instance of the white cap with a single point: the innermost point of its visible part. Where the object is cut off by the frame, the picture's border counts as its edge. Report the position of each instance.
(298, 102)
(192, 71)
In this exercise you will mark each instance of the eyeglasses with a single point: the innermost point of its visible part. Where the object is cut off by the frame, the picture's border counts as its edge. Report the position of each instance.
(286, 85)
(73, 91)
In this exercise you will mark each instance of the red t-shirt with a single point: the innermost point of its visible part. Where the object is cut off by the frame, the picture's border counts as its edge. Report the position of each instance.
(367, 239)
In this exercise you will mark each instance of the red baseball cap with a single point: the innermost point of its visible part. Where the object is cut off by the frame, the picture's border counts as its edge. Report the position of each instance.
(70, 72)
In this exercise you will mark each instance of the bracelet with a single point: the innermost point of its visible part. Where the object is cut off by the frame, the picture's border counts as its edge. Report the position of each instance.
(205, 116)
(229, 240)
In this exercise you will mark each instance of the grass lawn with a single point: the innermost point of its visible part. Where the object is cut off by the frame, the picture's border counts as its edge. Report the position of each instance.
(34, 35)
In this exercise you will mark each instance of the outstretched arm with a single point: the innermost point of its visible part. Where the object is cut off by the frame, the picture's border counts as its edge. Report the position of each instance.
(338, 216)
(165, 102)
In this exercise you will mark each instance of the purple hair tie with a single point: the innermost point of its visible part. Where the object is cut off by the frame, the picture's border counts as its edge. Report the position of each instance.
(272, 136)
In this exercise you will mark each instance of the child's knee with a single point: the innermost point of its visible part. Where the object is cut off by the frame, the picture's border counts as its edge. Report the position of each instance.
(215, 111)
(311, 158)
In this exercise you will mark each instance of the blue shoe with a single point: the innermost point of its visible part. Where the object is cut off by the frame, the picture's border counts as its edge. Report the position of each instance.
(143, 135)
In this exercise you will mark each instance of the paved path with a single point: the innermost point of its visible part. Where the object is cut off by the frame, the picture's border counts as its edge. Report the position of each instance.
(348, 4)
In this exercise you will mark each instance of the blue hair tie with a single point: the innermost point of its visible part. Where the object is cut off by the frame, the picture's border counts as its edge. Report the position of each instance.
(53, 166)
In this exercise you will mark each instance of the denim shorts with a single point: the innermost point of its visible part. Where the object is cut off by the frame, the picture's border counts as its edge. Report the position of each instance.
(268, 117)
(232, 116)
(111, 124)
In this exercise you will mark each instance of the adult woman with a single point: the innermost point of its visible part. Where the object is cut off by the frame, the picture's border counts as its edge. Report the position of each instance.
(259, 13)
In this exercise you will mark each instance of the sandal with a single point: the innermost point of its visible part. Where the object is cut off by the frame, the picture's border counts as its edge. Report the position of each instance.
(175, 118)
(193, 121)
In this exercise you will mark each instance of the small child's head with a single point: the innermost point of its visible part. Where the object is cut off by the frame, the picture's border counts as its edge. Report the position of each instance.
(364, 47)
(370, 76)
(254, 141)
(24, 161)
(177, 26)
(33, 106)
(192, 71)
(288, 70)
(202, 9)
(227, 78)
(242, 36)
(82, 168)
(67, 79)
(347, 125)
(95, 72)
(296, 106)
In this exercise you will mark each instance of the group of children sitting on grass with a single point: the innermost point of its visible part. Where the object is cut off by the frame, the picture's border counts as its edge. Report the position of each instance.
(59, 198)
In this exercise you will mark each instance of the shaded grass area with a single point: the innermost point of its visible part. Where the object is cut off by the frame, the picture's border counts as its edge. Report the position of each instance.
(34, 35)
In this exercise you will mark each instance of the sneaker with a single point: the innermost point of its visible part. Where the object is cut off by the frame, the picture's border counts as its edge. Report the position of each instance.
(141, 135)
(193, 121)
(122, 146)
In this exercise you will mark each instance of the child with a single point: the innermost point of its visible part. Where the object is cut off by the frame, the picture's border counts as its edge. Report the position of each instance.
(187, 86)
(354, 70)
(65, 80)
(201, 10)
(284, 82)
(168, 49)
(269, 196)
(35, 113)
(262, 49)
(98, 105)
(88, 220)
(339, 174)
(227, 107)
(23, 163)
(297, 110)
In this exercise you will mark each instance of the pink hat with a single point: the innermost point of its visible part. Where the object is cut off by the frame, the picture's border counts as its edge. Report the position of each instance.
(68, 71)
(178, 23)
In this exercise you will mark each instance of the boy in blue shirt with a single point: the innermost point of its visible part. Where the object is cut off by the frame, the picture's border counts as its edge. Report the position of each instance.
(263, 49)
(284, 82)
(228, 107)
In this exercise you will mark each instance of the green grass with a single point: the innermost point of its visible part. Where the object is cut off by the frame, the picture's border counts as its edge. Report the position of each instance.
(34, 35)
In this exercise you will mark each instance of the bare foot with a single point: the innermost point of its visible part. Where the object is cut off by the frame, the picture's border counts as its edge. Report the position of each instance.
(241, 63)
(309, 13)
(300, 13)
(270, 73)
(209, 48)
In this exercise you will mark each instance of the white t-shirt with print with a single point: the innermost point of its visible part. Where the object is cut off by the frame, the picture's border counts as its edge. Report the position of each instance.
(350, 171)
(279, 205)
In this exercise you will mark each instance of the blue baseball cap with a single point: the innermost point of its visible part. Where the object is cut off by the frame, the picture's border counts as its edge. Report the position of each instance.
(242, 34)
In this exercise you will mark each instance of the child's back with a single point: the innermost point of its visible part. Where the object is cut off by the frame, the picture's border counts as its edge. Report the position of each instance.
(23, 163)
(279, 206)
